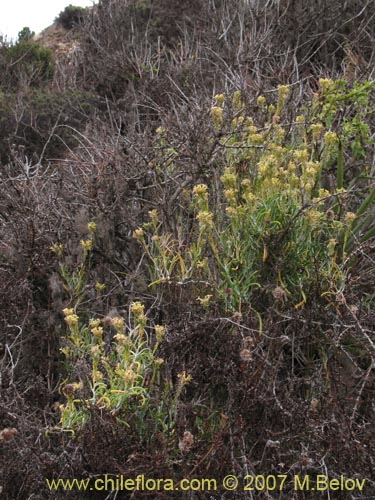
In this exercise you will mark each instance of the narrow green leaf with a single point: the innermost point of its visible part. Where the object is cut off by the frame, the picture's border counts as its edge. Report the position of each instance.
(367, 202)
(340, 167)
(368, 235)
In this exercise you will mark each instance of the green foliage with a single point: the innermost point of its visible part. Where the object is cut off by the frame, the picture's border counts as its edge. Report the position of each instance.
(71, 16)
(349, 109)
(25, 34)
(270, 225)
(25, 64)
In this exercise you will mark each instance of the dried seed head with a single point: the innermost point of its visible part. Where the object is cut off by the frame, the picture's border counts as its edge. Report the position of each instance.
(285, 339)
(353, 309)
(186, 442)
(237, 316)
(279, 294)
(107, 320)
(245, 355)
(340, 299)
(305, 460)
(314, 405)
(330, 214)
(68, 389)
(8, 434)
(248, 342)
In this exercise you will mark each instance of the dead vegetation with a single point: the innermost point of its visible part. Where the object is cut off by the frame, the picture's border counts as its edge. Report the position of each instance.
(122, 126)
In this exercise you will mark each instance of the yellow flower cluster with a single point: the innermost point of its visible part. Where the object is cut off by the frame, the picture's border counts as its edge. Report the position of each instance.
(268, 165)
(99, 287)
(228, 178)
(91, 226)
(137, 308)
(249, 197)
(279, 132)
(249, 125)
(57, 248)
(94, 323)
(71, 320)
(326, 84)
(184, 378)
(256, 139)
(330, 139)
(217, 116)
(309, 175)
(129, 376)
(350, 217)
(205, 219)
(323, 193)
(159, 331)
(283, 91)
(261, 101)
(153, 214)
(121, 338)
(271, 109)
(231, 211)
(138, 234)
(86, 245)
(230, 195)
(95, 350)
(301, 155)
(118, 324)
(204, 302)
(237, 122)
(219, 98)
(313, 217)
(200, 190)
(97, 376)
(97, 331)
(316, 130)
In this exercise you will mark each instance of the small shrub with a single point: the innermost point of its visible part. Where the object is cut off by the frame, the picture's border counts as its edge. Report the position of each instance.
(25, 34)
(27, 64)
(71, 17)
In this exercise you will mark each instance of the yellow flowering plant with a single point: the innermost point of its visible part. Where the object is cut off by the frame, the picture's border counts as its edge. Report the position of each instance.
(123, 372)
(271, 218)
(116, 359)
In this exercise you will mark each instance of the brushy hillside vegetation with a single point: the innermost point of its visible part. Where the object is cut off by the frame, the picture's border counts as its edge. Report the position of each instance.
(187, 247)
